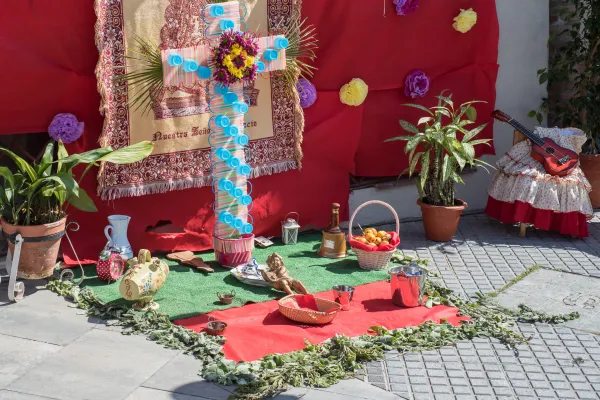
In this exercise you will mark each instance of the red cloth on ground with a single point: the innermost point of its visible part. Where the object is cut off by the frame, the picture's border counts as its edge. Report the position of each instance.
(572, 223)
(256, 330)
(50, 45)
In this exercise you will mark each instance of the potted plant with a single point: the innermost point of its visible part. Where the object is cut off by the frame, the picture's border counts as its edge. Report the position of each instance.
(574, 73)
(442, 146)
(34, 199)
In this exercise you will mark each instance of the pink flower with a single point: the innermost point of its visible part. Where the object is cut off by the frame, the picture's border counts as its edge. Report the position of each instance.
(416, 85)
(405, 7)
(65, 127)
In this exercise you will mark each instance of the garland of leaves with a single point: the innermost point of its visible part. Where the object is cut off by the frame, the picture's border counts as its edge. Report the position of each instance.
(323, 364)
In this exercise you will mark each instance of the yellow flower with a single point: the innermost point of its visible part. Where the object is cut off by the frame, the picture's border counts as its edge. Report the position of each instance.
(354, 93)
(465, 20)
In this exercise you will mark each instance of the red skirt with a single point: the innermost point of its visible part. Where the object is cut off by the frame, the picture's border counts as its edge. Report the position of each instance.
(571, 223)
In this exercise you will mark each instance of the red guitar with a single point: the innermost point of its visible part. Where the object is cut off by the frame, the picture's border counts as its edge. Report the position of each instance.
(556, 160)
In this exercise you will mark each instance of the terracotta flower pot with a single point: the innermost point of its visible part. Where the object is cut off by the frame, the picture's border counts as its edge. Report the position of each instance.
(440, 222)
(590, 165)
(37, 258)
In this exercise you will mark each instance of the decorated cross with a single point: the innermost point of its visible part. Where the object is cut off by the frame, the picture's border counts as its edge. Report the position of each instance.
(231, 60)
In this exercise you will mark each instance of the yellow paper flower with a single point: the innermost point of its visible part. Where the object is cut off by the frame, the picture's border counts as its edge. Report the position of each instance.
(354, 93)
(465, 20)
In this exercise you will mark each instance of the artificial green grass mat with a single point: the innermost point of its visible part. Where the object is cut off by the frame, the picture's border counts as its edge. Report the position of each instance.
(188, 292)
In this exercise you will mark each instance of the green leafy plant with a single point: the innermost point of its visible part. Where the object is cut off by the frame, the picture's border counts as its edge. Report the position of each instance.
(317, 365)
(301, 50)
(146, 74)
(443, 146)
(575, 70)
(39, 193)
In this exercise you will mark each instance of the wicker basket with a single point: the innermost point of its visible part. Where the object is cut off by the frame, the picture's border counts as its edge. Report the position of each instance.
(308, 316)
(374, 260)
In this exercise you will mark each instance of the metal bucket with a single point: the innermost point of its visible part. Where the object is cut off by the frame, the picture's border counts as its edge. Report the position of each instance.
(343, 296)
(408, 283)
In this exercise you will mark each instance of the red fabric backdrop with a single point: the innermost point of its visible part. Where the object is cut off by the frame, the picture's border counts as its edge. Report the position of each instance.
(49, 57)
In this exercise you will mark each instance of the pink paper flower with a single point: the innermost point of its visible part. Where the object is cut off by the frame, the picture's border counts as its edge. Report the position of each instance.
(65, 127)
(417, 85)
(405, 7)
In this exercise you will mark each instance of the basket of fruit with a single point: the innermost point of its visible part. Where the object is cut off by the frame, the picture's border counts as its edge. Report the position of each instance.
(373, 248)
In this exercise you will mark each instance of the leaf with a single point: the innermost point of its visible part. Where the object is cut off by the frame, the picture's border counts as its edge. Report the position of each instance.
(442, 110)
(480, 141)
(23, 165)
(471, 113)
(129, 154)
(69, 183)
(398, 138)
(86, 158)
(420, 107)
(407, 126)
(469, 151)
(413, 142)
(531, 113)
(413, 162)
(424, 169)
(8, 176)
(474, 132)
(429, 303)
(46, 160)
(425, 120)
(61, 155)
(543, 77)
(447, 168)
(83, 202)
(539, 118)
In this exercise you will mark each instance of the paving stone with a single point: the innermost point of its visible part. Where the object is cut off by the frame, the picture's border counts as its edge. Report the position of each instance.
(353, 388)
(120, 365)
(44, 317)
(558, 292)
(9, 395)
(180, 375)
(294, 393)
(143, 393)
(18, 355)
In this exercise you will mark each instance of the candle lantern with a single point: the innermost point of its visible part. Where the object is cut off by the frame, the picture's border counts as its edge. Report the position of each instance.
(289, 229)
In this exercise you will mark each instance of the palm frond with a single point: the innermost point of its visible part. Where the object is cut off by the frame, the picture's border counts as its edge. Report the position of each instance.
(301, 50)
(145, 78)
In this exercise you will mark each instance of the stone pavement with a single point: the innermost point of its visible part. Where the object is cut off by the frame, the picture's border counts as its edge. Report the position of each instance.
(49, 351)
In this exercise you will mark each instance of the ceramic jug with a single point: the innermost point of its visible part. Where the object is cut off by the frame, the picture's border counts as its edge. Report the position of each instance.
(145, 277)
(116, 233)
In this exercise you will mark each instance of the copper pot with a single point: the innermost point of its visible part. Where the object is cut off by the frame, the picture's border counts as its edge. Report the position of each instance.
(214, 327)
(38, 259)
(226, 298)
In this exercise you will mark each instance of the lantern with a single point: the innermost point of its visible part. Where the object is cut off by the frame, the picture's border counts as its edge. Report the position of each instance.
(289, 229)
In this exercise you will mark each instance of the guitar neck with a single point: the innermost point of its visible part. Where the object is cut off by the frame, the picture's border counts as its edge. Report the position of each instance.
(532, 136)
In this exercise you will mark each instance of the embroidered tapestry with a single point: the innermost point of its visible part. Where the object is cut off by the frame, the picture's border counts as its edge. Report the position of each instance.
(177, 121)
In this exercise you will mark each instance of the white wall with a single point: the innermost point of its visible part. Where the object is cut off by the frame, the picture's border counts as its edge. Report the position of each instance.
(524, 32)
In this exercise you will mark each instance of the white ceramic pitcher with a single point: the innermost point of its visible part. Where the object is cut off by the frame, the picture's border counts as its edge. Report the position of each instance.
(116, 233)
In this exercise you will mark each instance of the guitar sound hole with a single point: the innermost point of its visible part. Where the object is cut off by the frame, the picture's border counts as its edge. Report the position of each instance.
(550, 150)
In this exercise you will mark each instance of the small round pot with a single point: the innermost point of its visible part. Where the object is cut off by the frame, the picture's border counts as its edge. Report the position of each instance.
(441, 222)
(590, 165)
(37, 259)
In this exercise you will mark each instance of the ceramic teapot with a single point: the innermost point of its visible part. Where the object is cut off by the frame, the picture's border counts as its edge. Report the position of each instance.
(145, 277)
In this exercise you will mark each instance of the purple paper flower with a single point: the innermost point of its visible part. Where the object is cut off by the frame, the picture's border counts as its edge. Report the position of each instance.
(405, 7)
(417, 85)
(65, 127)
(307, 92)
